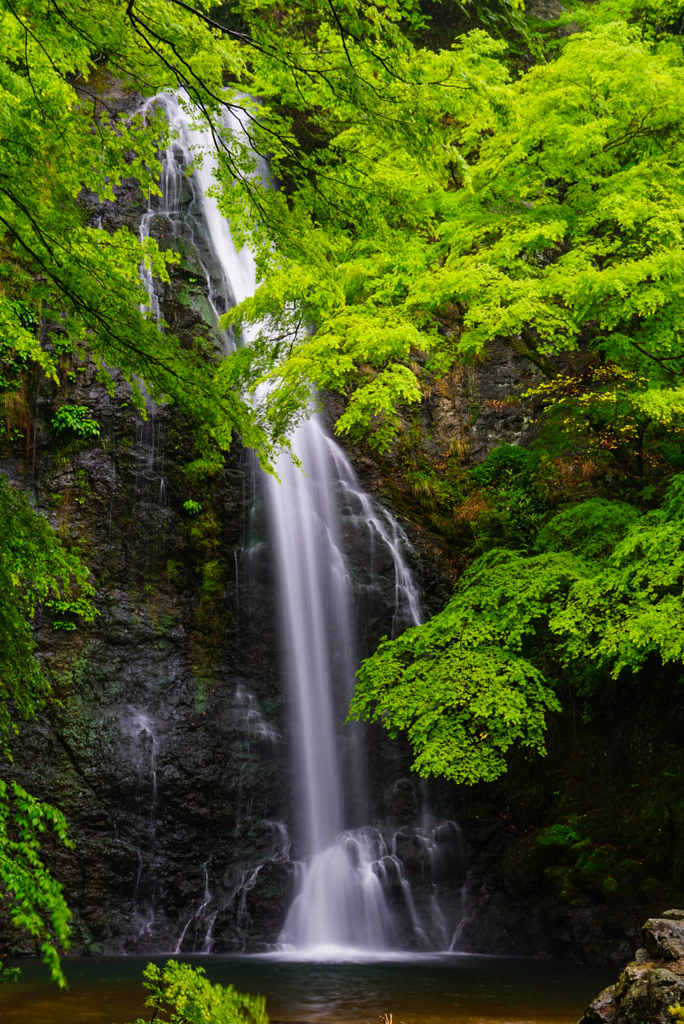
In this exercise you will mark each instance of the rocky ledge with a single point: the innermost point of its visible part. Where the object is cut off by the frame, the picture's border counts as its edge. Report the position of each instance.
(650, 990)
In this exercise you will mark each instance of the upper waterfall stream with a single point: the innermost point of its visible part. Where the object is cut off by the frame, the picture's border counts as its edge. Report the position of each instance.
(339, 906)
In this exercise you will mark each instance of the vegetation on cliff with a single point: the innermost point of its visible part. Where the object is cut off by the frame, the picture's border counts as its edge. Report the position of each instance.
(36, 572)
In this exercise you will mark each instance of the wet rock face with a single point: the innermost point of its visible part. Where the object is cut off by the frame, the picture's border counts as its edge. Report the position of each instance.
(652, 984)
(475, 408)
(164, 747)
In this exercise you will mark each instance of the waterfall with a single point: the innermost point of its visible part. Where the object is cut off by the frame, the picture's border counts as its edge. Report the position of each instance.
(315, 615)
(193, 215)
(345, 869)
(340, 903)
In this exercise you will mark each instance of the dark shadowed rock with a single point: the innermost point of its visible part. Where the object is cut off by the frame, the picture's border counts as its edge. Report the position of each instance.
(602, 1009)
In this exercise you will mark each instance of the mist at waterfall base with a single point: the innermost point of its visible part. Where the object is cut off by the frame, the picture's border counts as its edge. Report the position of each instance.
(345, 870)
(432, 989)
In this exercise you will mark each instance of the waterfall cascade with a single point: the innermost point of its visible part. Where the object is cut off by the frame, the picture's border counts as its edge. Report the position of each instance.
(340, 902)
(141, 729)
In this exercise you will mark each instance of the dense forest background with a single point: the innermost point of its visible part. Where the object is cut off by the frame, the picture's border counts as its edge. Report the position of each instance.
(452, 185)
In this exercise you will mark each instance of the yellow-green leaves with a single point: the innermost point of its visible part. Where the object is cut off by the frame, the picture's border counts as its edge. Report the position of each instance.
(34, 899)
(577, 207)
(185, 996)
(602, 593)
(64, 141)
(549, 210)
(465, 685)
(351, 269)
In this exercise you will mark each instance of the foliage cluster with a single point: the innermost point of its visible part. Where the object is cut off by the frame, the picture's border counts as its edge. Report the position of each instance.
(59, 133)
(181, 994)
(75, 419)
(597, 598)
(37, 903)
(434, 188)
(36, 572)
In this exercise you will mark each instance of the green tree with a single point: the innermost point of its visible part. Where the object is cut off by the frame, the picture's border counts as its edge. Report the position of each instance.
(598, 599)
(57, 132)
(546, 210)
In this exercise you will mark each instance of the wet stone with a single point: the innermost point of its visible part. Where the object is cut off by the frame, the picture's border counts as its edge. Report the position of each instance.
(650, 985)
(664, 938)
(602, 1009)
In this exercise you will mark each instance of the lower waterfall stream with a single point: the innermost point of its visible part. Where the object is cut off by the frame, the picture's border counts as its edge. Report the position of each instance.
(344, 866)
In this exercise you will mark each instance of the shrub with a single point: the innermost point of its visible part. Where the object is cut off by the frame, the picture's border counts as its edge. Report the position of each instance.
(74, 419)
(185, 996)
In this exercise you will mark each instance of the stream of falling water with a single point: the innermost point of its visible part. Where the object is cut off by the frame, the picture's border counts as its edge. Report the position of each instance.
(339, 906)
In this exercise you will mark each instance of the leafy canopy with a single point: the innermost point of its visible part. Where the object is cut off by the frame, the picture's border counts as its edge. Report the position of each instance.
(436, 204)
(60, 141)
(427, 201)
(36, 900)
(599, 596)
(353, 63)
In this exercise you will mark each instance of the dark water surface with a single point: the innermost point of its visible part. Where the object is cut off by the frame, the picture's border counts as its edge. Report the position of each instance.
(417, 990)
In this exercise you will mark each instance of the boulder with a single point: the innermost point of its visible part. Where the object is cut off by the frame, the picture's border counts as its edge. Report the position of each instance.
(632, 973)
(664, 937)
(652, 983)
(649, 999)
(602, 1010)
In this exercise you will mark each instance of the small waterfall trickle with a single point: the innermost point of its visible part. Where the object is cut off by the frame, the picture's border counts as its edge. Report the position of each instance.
(196, 934)
(141, 729)
(346, 871)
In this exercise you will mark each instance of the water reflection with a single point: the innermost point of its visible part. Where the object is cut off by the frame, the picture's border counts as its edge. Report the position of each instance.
(430, 989)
